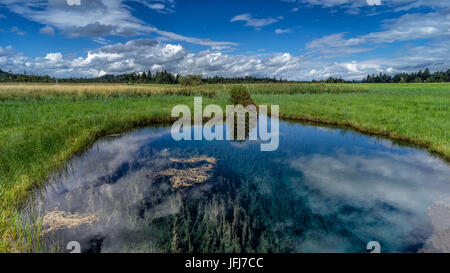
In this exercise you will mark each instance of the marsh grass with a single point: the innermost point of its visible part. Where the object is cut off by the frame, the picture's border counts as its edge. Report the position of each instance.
(38, 136)
(418, 114)
(95, 91)
(24, 91)
(305, 88)
(42, 125)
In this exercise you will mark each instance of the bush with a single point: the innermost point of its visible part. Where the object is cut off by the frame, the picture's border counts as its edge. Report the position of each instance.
(240, 95)
(191, 80)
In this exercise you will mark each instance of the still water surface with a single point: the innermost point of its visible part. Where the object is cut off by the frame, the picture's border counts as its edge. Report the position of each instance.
(323, 190)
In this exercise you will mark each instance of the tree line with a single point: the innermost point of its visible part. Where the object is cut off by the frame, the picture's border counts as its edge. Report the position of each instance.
(421, 76)
(161, 77)
(164, 77)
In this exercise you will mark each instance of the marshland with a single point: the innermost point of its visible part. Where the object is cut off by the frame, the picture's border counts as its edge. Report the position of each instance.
(42, 126)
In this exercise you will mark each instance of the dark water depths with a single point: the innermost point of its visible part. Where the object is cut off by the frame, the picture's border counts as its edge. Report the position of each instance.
(323, 190)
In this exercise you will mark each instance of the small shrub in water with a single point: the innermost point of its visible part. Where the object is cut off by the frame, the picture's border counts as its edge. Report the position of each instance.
(240, 95)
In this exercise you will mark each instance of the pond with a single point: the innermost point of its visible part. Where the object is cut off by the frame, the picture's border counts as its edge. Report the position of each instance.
(323, 190)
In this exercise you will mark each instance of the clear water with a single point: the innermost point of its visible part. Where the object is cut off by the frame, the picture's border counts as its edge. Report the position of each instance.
(323, 190)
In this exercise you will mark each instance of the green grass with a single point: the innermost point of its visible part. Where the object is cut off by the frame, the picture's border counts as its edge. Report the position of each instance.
(41, 126)
(37, 136)
(420, 117)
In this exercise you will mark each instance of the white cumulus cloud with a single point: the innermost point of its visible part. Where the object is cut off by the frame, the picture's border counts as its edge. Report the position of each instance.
(47, 30)
(373, 2)
(254, 22)
(143, 55)
(282, 31)
(96, 18)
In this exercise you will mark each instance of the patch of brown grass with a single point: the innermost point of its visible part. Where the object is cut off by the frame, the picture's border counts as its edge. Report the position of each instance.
(43, 91)
(183, 178)
(56, 220)
(195, 159)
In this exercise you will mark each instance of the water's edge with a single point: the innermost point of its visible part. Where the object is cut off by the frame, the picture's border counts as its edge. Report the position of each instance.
(288, 124)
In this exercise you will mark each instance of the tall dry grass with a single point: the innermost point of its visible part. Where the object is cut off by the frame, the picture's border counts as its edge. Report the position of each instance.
(25, 91)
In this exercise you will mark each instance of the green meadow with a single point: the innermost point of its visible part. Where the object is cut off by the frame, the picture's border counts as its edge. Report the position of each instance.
(41, 126)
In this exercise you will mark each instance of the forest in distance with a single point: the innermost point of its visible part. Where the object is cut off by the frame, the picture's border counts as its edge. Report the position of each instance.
(164, 77)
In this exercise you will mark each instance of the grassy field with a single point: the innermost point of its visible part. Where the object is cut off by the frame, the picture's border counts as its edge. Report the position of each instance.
(41, 126)
(418, 113)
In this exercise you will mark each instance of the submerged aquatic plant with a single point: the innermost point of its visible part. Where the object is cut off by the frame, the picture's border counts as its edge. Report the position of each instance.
(55, 220)
(188, 177)
(195, 159)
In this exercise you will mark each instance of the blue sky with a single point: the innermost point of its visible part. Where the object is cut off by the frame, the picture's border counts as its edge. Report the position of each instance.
(292, 39)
